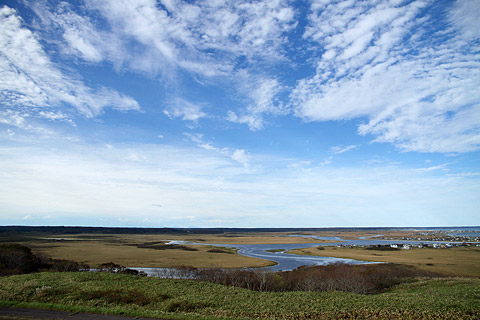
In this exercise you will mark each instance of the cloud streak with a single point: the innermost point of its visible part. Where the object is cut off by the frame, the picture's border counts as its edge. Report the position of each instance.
(75, 181)
(31, 85)
(342, 149)
(403, 74)
(208, 39)
(415, 90)
(185, 110)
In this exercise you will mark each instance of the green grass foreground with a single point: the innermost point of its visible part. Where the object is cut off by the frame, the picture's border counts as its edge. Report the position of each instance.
(189, 299)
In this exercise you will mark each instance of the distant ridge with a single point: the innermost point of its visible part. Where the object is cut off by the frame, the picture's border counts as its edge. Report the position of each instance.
(4, 230)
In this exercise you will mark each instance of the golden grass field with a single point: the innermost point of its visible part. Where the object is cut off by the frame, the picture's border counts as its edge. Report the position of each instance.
(462, 261)
(355, 234)
(96, 252)
(96, 249)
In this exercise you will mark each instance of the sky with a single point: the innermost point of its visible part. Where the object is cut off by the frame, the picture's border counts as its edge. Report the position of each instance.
(276, 113)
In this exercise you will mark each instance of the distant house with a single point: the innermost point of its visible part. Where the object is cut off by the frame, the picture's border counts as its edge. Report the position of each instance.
(395, 246)
(406, 247)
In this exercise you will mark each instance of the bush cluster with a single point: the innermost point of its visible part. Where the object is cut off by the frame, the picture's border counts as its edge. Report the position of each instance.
(362, 279)
(112, 267)
(162, 246)
(19, 259)
(382, 248)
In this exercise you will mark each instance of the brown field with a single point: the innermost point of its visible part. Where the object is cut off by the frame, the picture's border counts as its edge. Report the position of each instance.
(244, 238)
(97, 252)
(452, 261)
(355, 234)
(96, 249)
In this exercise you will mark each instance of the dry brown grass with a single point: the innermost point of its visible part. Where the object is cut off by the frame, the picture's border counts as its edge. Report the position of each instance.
(355, 234)
(230, 238)
(96, 252)
(452, 261)
(244, 238)
(95, 249)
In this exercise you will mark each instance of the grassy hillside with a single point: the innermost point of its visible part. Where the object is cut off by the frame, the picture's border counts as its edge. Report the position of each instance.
(189, 299)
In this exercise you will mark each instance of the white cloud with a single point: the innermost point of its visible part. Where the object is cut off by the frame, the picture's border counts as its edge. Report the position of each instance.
(78, 32)
(417, 91)
(262, 101)
(326, 162)
(96, 183)
(184, 35)
(22, 119)
(28, 78)
(241, 156)
(238, 155)
(199, 140)
(254, 122)
(13, 118)
(342, 149)
(208, 39)
(181, 108)
(464, 16)
(78, 42)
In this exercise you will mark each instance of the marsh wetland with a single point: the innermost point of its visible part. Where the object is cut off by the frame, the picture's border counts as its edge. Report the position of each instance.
(245, 274)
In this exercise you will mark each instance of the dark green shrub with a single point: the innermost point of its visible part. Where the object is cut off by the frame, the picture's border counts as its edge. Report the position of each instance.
(183, 306)
(17, 259)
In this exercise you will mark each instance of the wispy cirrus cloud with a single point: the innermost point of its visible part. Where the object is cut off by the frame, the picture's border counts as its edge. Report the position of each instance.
(180, 108)
(342, 149)
(31, 85)
(408, 77)
(238, 155)
(207, 39)
(262, 101)
(416, 91)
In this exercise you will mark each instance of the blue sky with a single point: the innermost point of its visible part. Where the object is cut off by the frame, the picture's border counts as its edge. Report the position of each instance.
(240, 113)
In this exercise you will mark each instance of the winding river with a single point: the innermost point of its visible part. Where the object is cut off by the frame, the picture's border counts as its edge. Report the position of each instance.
(285, 261)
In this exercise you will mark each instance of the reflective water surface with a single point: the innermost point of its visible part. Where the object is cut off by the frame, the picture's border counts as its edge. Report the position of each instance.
(286, 261)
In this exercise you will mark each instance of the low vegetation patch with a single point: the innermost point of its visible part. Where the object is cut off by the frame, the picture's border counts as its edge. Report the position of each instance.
(163, 246)
(275, 250)
(19, 259)
(219, 251)
(382, 248)
(110, 293)
(361, 279)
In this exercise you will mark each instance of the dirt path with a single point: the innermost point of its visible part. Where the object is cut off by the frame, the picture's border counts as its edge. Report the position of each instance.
(40, 314)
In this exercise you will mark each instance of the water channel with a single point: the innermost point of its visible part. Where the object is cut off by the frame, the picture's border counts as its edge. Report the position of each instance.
(285, 261)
